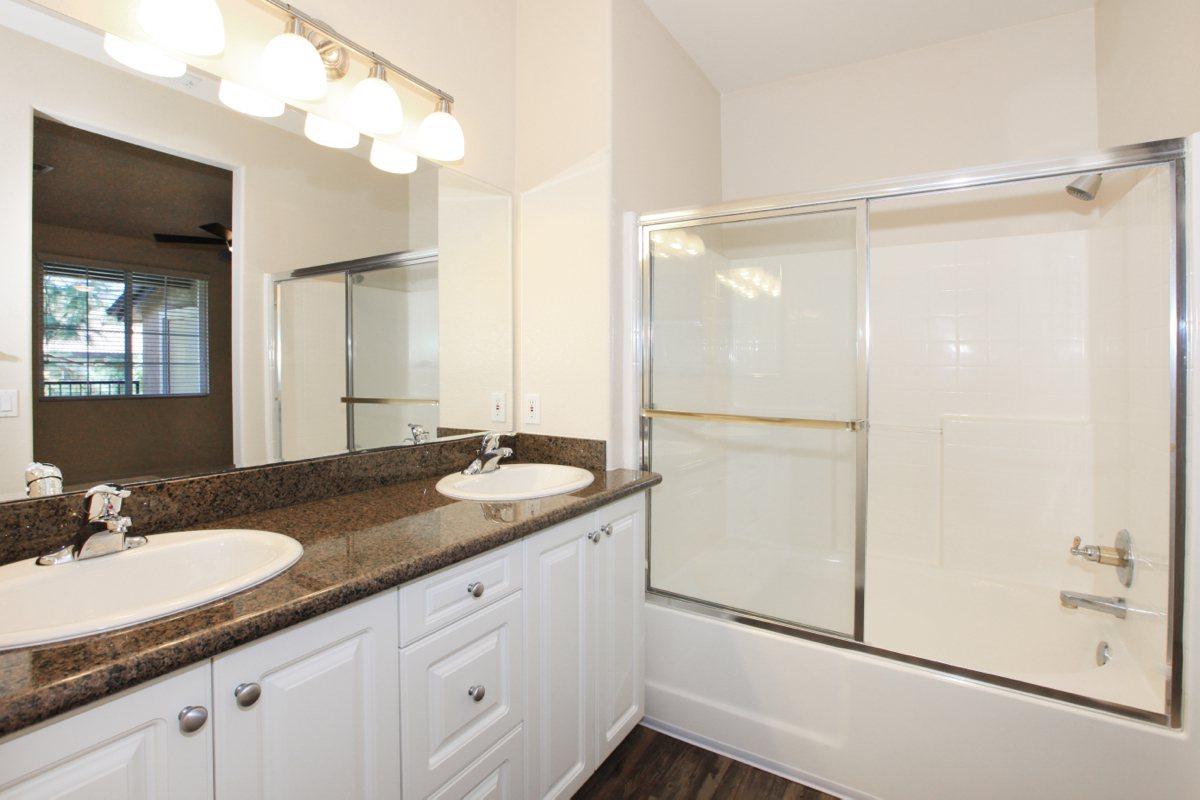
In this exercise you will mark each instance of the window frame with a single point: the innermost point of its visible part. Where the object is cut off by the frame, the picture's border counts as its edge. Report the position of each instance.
(129, 270)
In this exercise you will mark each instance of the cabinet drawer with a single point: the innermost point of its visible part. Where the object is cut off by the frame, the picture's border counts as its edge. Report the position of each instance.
(443, 727)
(498, 775)
(436, 601)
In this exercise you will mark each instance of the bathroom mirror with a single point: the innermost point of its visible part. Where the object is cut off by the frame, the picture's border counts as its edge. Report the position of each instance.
(191, 289)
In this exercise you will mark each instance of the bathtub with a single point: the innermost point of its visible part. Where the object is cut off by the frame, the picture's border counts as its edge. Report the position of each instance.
(1017, 631)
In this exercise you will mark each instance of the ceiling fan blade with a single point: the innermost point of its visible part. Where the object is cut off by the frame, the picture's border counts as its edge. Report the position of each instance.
(171, 238)
(217, 229)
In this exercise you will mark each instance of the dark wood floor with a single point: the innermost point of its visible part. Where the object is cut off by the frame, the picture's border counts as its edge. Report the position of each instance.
(649, 765)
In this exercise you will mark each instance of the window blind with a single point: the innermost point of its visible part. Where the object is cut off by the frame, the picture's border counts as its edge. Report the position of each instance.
(111, 332)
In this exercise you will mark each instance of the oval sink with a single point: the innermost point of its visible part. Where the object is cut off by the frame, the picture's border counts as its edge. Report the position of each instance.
(170, 573)
(515, 482)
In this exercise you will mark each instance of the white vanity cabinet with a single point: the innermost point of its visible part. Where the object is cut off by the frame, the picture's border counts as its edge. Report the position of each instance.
(512, 674)
(129, 747)
(312, 711)
(586, 585)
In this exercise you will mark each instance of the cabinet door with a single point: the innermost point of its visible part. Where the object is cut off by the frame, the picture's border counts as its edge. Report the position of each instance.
(326, 722)
(619, 593)
(560, 717)
(125, 748)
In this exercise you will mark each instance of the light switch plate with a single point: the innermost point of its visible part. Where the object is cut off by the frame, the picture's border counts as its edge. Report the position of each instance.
(533, 409)
(8, 403)
(499, 406)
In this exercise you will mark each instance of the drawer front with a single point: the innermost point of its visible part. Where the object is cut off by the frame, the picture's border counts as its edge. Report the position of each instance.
(433, 602)
(498, 775)
(443, 726)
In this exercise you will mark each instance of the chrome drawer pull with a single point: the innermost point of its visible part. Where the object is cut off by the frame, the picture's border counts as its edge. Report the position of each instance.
(192, 718)
(247, 694)
(475, 589)
(477, 692)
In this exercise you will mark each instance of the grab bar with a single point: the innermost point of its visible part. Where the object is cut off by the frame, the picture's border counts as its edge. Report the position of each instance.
(1107, 605)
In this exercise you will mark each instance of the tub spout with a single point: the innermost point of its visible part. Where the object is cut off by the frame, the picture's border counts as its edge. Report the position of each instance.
(1108, 605)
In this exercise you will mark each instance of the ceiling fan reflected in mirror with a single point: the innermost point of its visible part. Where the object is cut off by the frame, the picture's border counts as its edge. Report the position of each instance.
(221, 235)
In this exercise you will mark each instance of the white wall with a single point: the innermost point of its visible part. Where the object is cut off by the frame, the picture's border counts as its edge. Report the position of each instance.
(1146, 64)
(1022, 92)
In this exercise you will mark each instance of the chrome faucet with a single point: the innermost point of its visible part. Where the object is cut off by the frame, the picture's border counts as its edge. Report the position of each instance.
(104, 508)
(1108, 605)
(490, 453)
(417, 433)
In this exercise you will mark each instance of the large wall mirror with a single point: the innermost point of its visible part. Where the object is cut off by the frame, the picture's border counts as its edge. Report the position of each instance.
(189, 289)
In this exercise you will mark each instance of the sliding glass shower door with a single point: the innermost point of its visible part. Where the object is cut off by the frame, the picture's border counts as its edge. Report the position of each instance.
(754, 402)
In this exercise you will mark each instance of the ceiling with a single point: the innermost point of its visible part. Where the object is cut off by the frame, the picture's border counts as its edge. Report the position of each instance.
(102, 184)
(744, 43)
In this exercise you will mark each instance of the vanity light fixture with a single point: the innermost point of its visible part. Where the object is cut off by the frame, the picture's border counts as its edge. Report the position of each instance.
(249, 101)
(329, 133)
(374, 107)
(391, 157)
(292, 67)
(194, 27)
(440, 137)
(143, 57)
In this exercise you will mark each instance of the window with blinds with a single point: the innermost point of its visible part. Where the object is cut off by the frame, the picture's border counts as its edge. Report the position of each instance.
(122, 333)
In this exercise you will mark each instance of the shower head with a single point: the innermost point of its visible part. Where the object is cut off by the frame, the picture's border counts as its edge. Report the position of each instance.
(1085, 187)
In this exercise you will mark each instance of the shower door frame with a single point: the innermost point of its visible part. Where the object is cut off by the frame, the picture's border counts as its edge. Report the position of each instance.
(1172, 153)
(404, 258)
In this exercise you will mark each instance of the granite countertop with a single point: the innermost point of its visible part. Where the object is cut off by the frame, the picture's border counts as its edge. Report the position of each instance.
(355, 545)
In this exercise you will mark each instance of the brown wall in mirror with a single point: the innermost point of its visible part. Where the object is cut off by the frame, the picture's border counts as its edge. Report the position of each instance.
(99, 205)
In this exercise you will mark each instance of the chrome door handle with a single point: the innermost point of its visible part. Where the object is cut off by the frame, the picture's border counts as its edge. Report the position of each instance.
(475, 588)
(192, 718)
(477, 692)
(247, 694)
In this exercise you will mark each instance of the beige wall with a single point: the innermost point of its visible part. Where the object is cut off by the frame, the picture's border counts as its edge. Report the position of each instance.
(1147, 65)
(1023, 92)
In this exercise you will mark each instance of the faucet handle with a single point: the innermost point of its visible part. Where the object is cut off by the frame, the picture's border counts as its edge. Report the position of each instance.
(105, 501)
(491, 441)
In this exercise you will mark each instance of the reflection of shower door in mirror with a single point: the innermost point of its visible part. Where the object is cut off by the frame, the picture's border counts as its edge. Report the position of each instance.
(393, 378)
(356, 355)
(754, 396)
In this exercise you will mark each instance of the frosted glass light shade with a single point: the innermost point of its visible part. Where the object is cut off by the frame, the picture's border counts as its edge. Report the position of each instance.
(373, 107)
(440, 137)
(249, 101)
(143, 57)
(329, 133)
(189, 26)
(292, 68)
(391, 157)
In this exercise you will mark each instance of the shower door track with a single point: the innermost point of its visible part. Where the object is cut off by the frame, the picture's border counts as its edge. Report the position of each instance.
(1168, 152)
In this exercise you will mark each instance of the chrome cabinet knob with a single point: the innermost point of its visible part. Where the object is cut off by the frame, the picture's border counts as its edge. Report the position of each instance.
(247, 694)
(607, 530)
(477, 692)
(475, 589)
(192, 718)
(594, 536)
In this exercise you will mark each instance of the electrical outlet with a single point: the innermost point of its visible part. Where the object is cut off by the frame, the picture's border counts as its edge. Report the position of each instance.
(533, 409)
(8, 403)
(499, 406)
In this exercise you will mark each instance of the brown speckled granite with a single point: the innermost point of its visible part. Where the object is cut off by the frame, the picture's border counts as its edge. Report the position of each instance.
(354, 546)
(29, 528)
(533, 448)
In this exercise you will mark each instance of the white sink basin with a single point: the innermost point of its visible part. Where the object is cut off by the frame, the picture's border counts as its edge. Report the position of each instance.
(515, 482)
(171, 572)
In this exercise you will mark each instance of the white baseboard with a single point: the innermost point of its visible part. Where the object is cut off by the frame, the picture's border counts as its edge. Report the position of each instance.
(766, 765)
